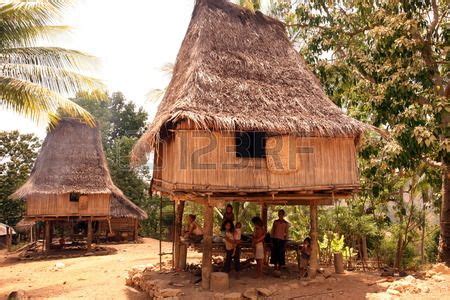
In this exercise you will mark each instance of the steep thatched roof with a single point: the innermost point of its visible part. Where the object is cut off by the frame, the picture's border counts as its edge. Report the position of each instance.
(237, 70)
(72, 160)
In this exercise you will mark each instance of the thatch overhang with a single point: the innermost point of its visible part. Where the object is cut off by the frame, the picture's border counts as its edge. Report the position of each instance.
(237, 70)
(72, 160)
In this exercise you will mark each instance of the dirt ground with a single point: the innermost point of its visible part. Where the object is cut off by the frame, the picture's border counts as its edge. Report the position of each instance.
(103, 277)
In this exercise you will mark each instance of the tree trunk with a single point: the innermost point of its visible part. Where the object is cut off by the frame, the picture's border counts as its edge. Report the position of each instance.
(444, 239)
(207, 246)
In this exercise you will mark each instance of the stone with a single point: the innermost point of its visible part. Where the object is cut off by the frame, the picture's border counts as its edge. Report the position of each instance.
(393, 292)
(441, 268)
(59, 265)
(264, 292)
(233, 296)
(17, 295)
(277, 273)
(437, 278)
(250, 294)
(170, 293)
(294, 285)
(218, 296)
(219, 282)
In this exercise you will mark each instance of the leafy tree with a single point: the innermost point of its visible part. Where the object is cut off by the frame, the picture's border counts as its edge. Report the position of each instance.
(34, 79)
(384, 63)
(17, 155)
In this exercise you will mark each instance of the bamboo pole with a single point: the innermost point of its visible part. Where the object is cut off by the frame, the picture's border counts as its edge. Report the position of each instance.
(8, 238)
(207, 245)
(313, 262)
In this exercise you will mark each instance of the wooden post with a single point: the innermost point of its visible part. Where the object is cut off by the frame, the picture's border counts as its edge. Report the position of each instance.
(179, 210)
(89, 235)
(313, 262)
(136, 227)
(47, 236)
(207, 245)
(264, 214)
(8, 238)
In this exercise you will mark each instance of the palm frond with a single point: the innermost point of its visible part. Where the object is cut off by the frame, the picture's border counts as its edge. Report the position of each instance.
(37, 102)
(58, 80)
(55, 57)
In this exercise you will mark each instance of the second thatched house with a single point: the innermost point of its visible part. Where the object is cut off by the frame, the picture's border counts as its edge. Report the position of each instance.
(70, 183)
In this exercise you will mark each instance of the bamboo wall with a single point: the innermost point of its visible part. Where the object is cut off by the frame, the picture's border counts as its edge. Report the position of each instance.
(190, 158)
(60, 205)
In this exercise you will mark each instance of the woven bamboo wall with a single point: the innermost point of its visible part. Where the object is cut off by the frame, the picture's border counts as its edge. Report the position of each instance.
(201, 158)
(60, 205)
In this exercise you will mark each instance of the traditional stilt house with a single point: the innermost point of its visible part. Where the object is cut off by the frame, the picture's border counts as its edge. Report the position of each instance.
(244, 119)
(70, 182)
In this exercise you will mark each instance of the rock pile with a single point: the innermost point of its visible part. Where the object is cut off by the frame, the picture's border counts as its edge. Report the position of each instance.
(141, 277)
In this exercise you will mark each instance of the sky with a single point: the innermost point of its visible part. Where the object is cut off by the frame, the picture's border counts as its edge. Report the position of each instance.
(133, 40)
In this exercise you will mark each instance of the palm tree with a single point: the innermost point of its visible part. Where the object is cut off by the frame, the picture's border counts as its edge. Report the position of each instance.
(35, 81)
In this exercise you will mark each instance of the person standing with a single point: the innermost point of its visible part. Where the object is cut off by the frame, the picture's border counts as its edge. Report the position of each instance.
(232, 253)
(280, 231)
(259, 234)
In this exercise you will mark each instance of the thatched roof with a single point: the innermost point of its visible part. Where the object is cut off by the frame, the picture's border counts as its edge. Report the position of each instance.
(237, 70)
(72, 160)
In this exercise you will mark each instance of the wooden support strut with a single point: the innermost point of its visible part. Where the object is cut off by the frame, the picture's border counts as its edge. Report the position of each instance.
(207, 245)
(89, 235)
(313, 262)
(47, 237)
(179, 210)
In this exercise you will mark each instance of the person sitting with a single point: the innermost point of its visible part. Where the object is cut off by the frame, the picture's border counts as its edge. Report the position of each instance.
(195, 231)
(305, 255)
(227, 216)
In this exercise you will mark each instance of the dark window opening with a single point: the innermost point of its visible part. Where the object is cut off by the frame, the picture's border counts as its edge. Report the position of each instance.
(251, 144)
(74, 197)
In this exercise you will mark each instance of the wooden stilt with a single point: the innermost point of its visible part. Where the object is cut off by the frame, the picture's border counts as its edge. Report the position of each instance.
(207, 246)
(136, 228)
(179, 210)
(47, 236)
(314, 260)
(8, 238)
(89, 235)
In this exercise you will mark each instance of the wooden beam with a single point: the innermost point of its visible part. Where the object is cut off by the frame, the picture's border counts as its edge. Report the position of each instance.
(207, 245)
(179, 210)
(47, 236)
(314, 260)
(89, 235)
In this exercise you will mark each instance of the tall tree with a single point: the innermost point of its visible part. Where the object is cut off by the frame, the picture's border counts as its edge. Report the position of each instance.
(34, 80)
(385, 63)
(17, 155)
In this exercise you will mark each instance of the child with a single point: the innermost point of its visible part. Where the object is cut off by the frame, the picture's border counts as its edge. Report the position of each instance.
(230, 248)
(227, 216)
(305, 254)
(258, 244)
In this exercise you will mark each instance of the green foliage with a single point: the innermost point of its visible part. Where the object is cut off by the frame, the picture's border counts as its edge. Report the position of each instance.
(17, 155)
(431, 245)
